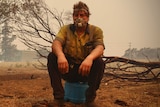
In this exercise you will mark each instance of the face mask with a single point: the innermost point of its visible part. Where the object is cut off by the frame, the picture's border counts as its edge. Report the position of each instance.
(79, 22)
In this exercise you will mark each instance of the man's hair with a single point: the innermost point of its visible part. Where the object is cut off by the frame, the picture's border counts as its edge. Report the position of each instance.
(81, 6)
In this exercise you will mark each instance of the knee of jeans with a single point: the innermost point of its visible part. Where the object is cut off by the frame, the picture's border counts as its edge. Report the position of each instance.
(51, 56)
(99, 62)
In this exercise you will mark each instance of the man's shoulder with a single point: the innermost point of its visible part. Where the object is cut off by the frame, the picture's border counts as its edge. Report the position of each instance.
(90, 25)
(94, 27)
(67, 27)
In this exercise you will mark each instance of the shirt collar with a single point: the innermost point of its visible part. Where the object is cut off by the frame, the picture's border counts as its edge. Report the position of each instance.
(73, 29)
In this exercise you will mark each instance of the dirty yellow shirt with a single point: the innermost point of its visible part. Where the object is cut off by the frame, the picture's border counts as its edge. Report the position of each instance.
(78, 47)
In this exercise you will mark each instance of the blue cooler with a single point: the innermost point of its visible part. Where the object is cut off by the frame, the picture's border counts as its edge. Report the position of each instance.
(75, 92)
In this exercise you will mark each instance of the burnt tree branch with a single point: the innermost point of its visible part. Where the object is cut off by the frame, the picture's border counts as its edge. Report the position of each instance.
(131, 69)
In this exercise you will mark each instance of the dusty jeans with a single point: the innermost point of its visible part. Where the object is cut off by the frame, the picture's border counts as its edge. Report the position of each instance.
(93, 79)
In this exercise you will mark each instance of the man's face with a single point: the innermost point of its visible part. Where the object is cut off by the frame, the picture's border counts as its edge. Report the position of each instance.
(80, 19)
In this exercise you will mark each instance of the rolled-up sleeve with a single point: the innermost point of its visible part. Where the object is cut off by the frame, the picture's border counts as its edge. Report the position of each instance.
(98, 37)
(61, 35)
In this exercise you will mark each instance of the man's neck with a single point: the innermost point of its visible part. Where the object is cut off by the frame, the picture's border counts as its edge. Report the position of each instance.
(80, 30)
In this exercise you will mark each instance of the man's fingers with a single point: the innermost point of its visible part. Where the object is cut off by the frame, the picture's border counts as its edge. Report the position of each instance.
(63, 68)
(84, 71)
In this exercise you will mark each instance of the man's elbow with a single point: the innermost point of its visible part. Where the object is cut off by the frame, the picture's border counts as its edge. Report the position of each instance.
(100, 49)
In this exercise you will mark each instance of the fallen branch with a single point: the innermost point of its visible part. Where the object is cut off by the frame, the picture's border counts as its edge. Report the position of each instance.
(131, 69)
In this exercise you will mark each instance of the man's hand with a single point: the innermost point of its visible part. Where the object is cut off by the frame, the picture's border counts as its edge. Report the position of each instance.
(62, 61)
(63, 64)
(85, 67)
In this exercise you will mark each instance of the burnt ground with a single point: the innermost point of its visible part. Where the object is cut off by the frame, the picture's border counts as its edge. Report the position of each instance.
(29, 87)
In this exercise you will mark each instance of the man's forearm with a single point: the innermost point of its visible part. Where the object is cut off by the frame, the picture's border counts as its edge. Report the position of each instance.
(57, 48)
(97, 52)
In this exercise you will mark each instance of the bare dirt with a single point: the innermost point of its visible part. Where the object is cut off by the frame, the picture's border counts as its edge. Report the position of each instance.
(24, 86)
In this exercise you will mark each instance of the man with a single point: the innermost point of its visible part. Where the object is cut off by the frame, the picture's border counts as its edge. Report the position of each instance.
(76, 55)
